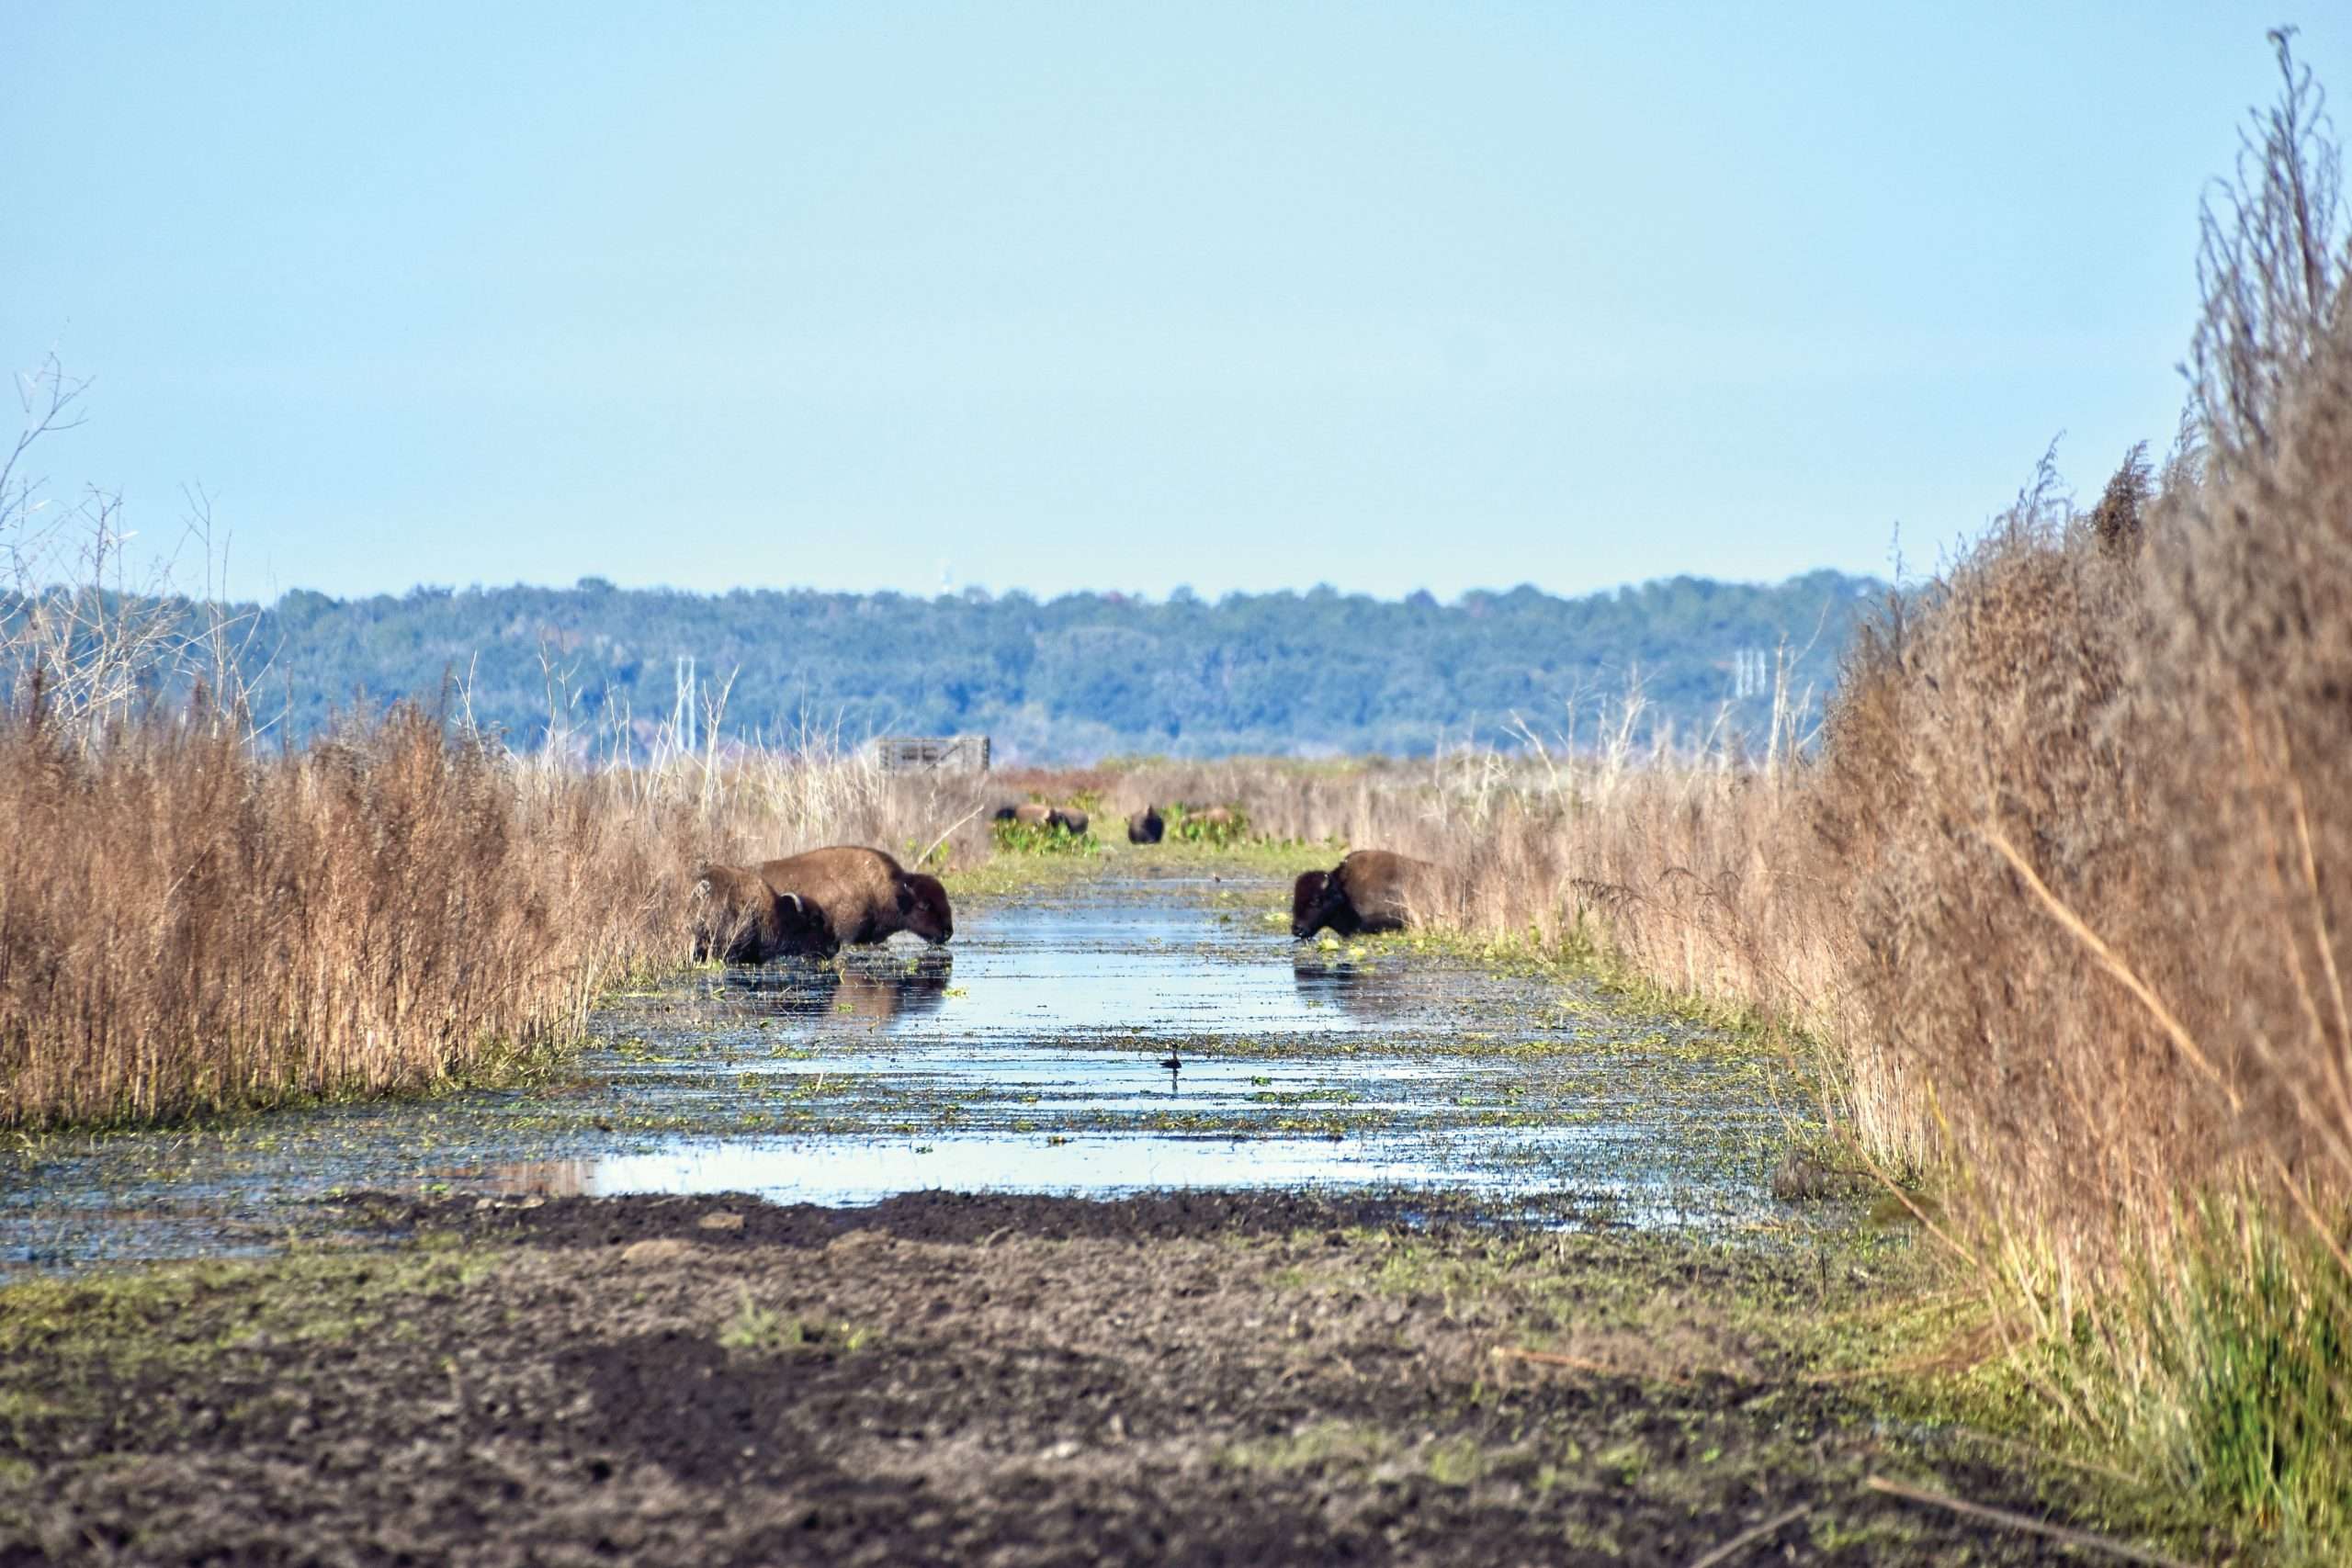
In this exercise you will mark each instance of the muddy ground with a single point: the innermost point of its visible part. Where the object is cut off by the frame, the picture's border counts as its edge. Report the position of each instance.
(1244, 1378)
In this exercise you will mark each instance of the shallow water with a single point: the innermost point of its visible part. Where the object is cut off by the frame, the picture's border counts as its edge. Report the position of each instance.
(1118, 1038)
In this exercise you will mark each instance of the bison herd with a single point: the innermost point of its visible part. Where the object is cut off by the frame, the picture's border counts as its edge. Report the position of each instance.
(1068, 818)
(814, 905)
(1215, 824)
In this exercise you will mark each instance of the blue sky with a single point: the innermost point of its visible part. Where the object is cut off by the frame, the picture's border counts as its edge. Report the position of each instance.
(1062, 296)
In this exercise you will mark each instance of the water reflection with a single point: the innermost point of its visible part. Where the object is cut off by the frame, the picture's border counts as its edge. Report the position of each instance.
(866, 1169)
(1359, 990)
(539, 1179)
(878, 989)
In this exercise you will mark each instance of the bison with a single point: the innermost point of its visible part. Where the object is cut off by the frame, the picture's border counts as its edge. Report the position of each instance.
(859, 896)
(1211, 825)
(739, 919)
(1147, 826)
(1029, 816)
(1069, 820)
(1371, 890)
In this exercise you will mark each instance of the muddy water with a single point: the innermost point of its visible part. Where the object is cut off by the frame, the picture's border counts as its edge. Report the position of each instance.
(1119, 1038)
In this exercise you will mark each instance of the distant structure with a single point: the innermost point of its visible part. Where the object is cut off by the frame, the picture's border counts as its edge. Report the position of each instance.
(683, 719)
(940, 754)
(1749, 675)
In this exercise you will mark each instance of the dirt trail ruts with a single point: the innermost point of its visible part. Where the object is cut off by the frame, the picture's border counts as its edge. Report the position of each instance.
(1198, 1378)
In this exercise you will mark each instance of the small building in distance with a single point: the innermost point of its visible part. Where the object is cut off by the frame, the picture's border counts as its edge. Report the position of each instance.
(940, 754)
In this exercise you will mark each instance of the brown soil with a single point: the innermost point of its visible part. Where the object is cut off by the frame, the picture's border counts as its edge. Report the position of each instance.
(1196, 1379)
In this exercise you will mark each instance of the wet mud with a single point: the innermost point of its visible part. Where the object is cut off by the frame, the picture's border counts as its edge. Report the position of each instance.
(1009, 1379)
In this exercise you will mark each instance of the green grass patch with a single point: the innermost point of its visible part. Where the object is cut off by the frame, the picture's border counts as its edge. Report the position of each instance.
(2223, 1376)
(1324, 1444)
(191, 1316)
(756, 1330)
(1193, 825)
(1044, 839)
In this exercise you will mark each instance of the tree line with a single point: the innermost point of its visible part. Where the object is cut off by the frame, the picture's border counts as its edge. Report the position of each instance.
(1078, 676)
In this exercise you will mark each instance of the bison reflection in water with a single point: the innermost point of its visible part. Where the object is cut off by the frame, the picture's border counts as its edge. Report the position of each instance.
(881, 993)
(1361, 990)
(1371, 890)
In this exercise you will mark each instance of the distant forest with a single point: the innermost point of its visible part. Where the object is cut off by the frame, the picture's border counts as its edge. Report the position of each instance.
(1074, 678)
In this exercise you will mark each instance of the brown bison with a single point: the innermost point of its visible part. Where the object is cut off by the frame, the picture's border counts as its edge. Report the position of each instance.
(1069, 820)
(1211, 825)
(1147, 826)
(860, 895)
(739, 919)
(1029, 816)
(1371, 890)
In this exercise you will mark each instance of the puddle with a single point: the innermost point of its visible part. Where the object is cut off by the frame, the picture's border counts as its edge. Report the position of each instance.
(1032, 1055)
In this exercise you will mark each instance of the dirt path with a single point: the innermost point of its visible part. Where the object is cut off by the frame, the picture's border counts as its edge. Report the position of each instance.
(1241, 1377)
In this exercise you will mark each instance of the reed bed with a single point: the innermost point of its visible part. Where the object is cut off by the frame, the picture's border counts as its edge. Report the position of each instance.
(191, 922)
(2096, 801)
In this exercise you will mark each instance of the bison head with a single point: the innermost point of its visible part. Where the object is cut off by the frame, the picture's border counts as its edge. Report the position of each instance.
(800, 925)
(1312, 898)
(922, 904)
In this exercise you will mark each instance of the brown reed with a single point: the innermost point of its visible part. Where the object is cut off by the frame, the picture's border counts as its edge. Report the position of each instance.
(189, 922)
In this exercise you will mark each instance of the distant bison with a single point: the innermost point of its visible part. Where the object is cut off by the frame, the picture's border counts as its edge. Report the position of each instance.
(1069, 820)
(1212, 825)
(1371, 890)
(1146, 826)
(1029, 816)
(739, 919)
(860, 895)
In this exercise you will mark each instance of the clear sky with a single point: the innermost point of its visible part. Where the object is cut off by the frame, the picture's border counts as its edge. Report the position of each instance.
(1081, 296)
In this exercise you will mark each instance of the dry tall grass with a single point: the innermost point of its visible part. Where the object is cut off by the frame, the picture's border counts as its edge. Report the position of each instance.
(2093, 803)
(2090, 804)
(2093, 796)
(188, 921)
